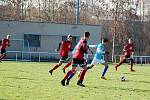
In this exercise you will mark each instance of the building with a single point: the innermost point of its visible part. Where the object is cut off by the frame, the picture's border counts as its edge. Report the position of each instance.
(43, 37)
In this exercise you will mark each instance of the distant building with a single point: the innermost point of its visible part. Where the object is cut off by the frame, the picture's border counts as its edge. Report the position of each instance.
(44, 37)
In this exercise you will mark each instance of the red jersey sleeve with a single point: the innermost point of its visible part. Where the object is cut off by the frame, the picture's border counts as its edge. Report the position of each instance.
(5, 43)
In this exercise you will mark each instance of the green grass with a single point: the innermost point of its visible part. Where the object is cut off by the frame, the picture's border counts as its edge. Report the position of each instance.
(31, 81)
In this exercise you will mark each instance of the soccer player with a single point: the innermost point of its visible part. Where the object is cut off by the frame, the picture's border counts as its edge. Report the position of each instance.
(78, 59)
(79, 69)
(99, 56)
(65, 47)
(3, 45)
(129, 52)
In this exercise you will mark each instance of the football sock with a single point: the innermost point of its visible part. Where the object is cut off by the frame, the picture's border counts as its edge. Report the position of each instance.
(82, 76)
(119, 64)
(68, 74)
(131, 65)
(55, 67)
(67, 65)
(105, 70)
(70, 77)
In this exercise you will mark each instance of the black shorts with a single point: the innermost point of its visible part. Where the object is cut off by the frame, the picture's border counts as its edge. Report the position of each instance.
(3, 51)
(80, 62)
(64, 59)
(127, 56)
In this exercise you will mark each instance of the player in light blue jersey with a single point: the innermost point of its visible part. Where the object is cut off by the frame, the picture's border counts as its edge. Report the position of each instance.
(99, 56)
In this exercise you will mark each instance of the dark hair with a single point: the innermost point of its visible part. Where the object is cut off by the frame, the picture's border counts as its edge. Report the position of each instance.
(105, 40)
(69, 36)
(86, 34)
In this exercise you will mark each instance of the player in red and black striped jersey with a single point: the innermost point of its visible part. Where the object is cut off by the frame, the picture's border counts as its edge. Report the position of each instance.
(3, 45)
(129, 52)
(64, 47)
(78, 59)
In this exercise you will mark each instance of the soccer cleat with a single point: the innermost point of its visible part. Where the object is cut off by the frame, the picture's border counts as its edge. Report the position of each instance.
(64, 71)
(80, 84)
(102, 77)
(89, 68)
(132, 70)
(116, 68)
(51, 72)
(67, 83)
(63, 82)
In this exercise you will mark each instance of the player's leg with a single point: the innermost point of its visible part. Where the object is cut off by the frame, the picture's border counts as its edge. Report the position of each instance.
(55, 67)
(3, 54)
(132, 62)
(68, 74)
(105, 69)
(79, 69)
(74, 65)
(66, 66)
(82, 74)
(70, 77)
(94, 61)
(120, 63)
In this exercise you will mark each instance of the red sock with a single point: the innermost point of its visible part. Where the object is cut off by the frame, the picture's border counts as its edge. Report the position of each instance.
(67, 65)
(67, 75)
(55, 67)
(119, 64)
(82, 75)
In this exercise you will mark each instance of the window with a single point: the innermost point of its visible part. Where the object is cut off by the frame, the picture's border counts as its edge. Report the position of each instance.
(32, 40)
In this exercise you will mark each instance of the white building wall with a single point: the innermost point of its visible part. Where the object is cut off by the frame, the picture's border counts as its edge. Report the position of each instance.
(51, 34)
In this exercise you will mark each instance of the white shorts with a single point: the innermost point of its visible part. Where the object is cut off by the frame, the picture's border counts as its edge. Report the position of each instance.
(97, 61)
(79, 68)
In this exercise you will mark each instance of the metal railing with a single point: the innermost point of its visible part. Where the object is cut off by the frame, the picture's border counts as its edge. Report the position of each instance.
(137, 59)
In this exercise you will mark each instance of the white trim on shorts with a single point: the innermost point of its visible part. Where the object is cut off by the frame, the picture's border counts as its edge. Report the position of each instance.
(97, 61)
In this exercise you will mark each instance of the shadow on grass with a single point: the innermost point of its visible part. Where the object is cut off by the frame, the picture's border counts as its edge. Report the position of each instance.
(147, 82)
(3, 70)
(119, 88)
(8, 86)
(21, 78)
(2, 99)
(136, 74)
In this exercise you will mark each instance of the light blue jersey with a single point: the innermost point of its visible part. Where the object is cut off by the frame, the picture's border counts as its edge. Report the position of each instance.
(100, 51)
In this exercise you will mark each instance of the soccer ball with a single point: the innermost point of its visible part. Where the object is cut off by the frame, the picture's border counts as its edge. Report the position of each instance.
(122, 78)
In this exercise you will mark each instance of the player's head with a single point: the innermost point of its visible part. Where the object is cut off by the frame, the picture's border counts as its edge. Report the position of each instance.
(8, 36)
(130, 41)
(69, 38)
(86, 35)
(105, 41)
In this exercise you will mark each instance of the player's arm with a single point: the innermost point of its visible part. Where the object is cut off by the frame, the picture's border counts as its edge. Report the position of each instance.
(132, 54)
(92, 46)
(74, 49)
(59, 46)
(71, 49)
(91, 51)
(9, 43)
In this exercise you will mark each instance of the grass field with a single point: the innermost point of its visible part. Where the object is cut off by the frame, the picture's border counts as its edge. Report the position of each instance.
(31, 81)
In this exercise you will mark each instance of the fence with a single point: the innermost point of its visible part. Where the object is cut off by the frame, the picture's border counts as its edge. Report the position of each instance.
(46, 56)
(31, 56)
(138, 59)
(35, 56)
